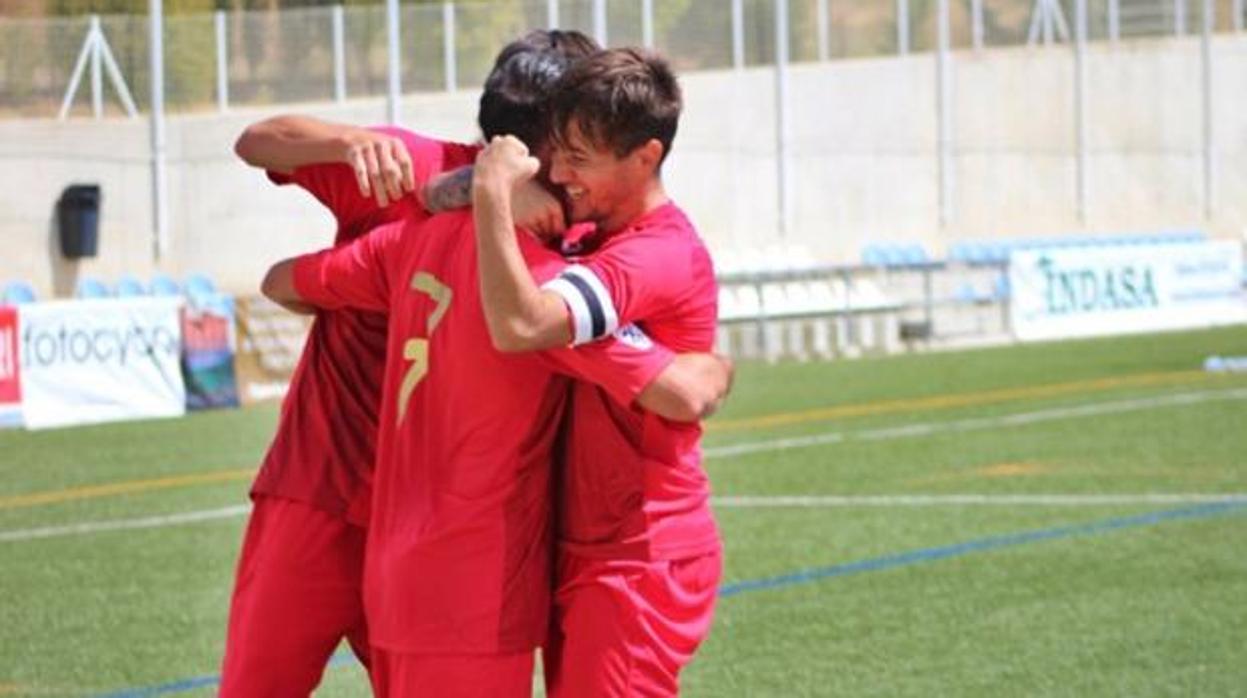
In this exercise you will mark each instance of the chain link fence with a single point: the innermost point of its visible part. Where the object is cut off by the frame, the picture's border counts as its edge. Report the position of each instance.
(318, 54)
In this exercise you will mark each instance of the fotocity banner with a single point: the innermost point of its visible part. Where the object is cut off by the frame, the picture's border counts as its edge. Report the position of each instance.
(1081, 292)
(10, 369)
(91, 361)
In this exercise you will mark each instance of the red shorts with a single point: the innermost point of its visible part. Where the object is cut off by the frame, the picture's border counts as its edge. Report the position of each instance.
(296, 595)
(400, 675)
(626, 627)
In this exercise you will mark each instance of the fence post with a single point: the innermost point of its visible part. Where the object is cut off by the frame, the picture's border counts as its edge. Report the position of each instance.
(394, 84)
(976, 23)
(156, 57)
(738, 34)
(552, 13)
(1237, 9)
(222, 64)
(647, 23)
(339, 54)
(824, 22)
(448, 46)
(1179, 17)
(902, 27)
(97, 77)
(781, 117)
(1209, 133)
(944, 114)
(1080, 103)
(1114, 20)
(599, 21)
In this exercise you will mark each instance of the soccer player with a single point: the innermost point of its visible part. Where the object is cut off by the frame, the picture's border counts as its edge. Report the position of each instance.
(302, 556)
(639, 552)
(297, 590)
(455, 589)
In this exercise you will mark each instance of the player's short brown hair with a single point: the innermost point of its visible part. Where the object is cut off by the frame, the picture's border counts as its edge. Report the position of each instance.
(620, 99)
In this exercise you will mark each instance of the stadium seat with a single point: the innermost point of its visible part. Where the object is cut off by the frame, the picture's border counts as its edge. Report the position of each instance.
(91, 288)
(199, 285)
(162, 285)
(873, 255)
(129, 287)
(17, 293)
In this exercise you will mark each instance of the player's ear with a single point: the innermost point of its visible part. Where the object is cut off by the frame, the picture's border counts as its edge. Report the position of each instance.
(650, 153)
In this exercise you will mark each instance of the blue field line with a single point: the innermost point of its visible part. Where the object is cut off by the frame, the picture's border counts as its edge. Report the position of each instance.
(876, 564)
(341, 657)
(979, 545)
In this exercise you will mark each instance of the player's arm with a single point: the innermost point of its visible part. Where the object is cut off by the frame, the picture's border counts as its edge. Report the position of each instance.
(278, 286)
(692, 387)
(355, 275)
(520, 315)
(381, 163)
(534, 207)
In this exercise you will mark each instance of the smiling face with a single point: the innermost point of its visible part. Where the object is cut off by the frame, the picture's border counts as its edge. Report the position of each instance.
(600, 186)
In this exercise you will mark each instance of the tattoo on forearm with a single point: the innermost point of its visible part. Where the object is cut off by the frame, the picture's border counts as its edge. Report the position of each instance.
(449, 191)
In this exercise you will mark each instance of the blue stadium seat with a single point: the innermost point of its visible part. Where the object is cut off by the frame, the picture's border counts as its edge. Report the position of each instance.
(17, 293)
(162, 285)
(873, 255)
(129, 287)
(914, 254)
(1000, 289)
(92, 288)
(199, 285)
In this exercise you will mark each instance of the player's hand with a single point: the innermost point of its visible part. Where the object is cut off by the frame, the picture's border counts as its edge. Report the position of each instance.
(503, 164)
(382, 165)
(537, 210)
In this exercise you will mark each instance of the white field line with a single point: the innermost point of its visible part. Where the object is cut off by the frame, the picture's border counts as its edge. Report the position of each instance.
(977, 423)
(125, 524)
(884, 434)
(933, 500)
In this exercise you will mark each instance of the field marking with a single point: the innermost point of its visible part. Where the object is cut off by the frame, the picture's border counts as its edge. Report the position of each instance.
(986, 397)
(876, 564)
(128, 487)
(939, 500)
(978, 545)
(124, 524)
(976, 423)
(728, 451)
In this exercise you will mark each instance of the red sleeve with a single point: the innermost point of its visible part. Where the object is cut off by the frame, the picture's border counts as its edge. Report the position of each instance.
(638, 277)
(624, 364)
(334, 185)
(352, 275)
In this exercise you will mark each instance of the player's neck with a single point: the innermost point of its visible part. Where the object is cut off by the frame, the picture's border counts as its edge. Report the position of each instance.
(652, 196)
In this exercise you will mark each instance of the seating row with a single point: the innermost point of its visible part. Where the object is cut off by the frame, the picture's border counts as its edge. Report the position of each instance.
(19, 292)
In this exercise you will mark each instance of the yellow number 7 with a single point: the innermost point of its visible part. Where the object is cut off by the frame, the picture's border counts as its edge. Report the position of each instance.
(416, 349)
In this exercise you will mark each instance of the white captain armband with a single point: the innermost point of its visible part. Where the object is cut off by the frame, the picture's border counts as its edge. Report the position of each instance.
(593, 313)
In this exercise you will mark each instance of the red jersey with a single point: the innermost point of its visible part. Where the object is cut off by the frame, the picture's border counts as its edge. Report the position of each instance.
(459, 540)
(633, 483)
(323, 451)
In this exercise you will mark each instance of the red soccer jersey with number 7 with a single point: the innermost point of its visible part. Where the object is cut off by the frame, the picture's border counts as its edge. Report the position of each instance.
(459, 537)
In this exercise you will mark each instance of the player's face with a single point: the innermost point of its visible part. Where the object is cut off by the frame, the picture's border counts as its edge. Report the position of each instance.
(600, 187)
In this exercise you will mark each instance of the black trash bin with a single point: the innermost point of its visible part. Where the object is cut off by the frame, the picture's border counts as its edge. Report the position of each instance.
(78, 217)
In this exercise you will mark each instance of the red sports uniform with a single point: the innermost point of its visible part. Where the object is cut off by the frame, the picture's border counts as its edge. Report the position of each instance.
(639, 552)
(457, 574)
(298, 587)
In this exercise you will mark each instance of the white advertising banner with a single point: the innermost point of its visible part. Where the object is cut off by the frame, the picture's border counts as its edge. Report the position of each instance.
(1087, 291)
(90, 361)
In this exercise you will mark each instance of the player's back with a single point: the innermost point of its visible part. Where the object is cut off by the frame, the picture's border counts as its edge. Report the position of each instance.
(461, 504)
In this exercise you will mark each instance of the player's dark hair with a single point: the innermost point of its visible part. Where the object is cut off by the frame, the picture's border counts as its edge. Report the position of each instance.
(620, 99)
(517, 94)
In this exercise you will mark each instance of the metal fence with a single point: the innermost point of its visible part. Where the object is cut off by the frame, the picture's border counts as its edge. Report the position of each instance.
(213, 61)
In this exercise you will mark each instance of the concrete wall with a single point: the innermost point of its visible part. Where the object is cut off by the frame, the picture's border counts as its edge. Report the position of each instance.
(864, 165)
